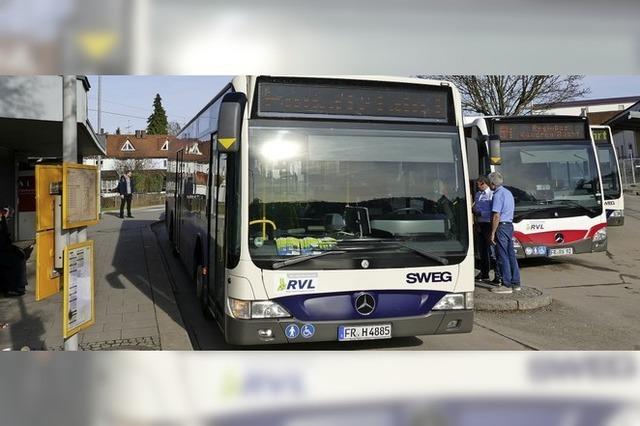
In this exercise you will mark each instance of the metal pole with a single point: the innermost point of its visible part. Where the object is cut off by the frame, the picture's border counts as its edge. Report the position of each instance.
(99, 158)
(99, 104)
(70, 153)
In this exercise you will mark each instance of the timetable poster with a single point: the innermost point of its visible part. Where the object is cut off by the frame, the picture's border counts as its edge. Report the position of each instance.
(78, 288)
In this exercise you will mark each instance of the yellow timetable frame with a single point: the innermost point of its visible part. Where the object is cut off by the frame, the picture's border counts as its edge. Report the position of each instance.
(65, 194)
(66, 331)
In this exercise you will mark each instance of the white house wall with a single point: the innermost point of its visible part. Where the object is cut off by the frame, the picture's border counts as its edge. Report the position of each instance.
(109, 164)
(590, 108)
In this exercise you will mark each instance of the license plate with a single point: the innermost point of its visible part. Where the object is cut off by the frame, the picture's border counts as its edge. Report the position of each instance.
(560, 251)
(364, 332)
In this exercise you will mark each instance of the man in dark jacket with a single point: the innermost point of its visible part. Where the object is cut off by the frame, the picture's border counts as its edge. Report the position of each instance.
(126, 187)
(13, 262)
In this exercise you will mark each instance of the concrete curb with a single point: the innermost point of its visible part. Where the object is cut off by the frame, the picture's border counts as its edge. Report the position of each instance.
(526, 299)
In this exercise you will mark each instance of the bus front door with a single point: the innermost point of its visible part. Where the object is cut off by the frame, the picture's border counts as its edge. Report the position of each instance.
(178, 198)
(218, 227)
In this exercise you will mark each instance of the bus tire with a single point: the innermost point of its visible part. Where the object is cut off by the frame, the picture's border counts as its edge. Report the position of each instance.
(202, 293)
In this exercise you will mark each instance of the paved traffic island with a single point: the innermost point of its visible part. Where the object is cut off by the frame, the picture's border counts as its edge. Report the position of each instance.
(524, 300)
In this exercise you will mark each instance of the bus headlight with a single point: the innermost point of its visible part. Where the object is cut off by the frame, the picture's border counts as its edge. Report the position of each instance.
(246, 309)
(600, 235)
(455, 301)
(617, 213)
(267, 309)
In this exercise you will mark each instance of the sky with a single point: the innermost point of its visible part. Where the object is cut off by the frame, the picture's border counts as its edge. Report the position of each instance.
(127, 100)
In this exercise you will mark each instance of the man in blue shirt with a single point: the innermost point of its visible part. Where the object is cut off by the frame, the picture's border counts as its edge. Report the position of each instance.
(482, 212)
(502, 235)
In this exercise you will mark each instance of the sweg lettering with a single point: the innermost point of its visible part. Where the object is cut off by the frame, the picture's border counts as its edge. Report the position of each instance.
(428, 277)
(301, 285)
(609, 203)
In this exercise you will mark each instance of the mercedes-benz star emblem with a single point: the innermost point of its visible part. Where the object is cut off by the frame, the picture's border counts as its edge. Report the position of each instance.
(559, 238)
(365, 304)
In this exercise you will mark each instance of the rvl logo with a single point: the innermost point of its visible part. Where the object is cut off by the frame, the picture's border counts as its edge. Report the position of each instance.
(535, 226)
(294, 284)
(428, 277)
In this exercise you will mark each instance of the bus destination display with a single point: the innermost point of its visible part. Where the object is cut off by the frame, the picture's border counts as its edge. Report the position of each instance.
(600, 135)
(540, 131)
(315, 100)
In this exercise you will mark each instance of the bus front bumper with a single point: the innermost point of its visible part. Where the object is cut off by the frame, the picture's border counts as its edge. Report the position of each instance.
(577, 247)
(251, 332)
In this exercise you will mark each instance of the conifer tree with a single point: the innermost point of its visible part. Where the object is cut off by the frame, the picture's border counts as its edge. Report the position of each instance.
(157, 121)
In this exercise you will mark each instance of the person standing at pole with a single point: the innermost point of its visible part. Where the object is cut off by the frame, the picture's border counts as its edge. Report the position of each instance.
(502, 235)
(126, 187)
(13, 262)
(482, 212)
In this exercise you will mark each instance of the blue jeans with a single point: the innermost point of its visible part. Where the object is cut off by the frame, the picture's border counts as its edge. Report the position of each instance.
(506, 254)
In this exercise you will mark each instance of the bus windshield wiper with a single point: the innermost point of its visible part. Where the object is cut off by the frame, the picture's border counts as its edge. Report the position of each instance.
(304, 258)
(423, 253)
(571, 203)
(393, 243)
(436, 258)
(530, 212)
(551, 206)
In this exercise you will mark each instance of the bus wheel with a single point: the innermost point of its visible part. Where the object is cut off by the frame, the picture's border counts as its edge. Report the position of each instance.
(202, 292)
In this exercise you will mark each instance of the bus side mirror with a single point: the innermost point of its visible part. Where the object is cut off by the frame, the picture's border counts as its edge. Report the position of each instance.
(494, 150)
(230, 122)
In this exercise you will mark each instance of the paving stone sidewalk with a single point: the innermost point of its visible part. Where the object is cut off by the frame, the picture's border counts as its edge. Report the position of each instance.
(135, 303)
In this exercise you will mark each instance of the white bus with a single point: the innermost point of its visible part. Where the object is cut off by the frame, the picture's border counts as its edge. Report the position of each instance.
(611, 179)
(337, 209)
(550, 165)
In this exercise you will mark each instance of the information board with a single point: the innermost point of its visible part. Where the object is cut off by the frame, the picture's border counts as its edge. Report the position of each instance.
(79, 195)
(600, 135)
(333, 99)
(541, 131)
(78, 292)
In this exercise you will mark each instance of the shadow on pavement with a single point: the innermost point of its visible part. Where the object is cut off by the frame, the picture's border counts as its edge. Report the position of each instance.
(134, 263)
(23, 326)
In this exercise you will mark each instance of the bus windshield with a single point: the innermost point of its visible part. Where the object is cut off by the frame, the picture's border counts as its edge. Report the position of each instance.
(609, 170)
(551, 179)
(314, 189)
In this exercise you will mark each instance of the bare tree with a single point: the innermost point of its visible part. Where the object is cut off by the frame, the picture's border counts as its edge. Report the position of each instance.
(513, 94)
(173, 128)
(133, 164)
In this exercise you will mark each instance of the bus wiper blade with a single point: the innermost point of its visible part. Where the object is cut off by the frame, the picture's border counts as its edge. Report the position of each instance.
(423, 253)
(440, 260)
(530, 212)
(571, 203)
(304, 258)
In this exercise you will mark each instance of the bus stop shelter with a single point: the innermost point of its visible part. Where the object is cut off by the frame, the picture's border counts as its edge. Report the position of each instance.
(31, 132)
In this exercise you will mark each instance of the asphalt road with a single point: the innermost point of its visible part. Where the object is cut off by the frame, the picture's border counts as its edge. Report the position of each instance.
(596, 299)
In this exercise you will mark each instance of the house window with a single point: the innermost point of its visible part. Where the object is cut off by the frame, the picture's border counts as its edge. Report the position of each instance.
(127, 146)
(165, 146)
